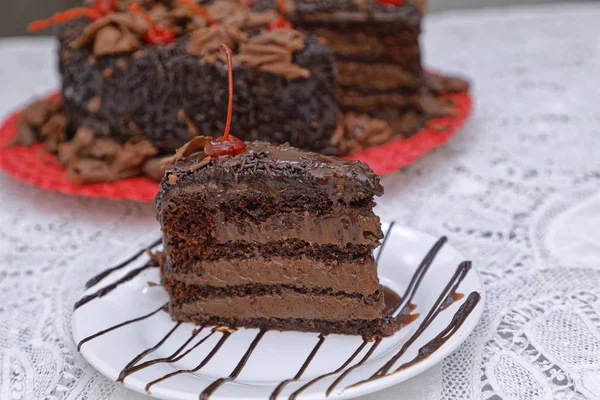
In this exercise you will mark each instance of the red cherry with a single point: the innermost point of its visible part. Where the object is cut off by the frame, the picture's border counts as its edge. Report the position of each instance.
(105, 6)
(391, 2)
(160, 35)
(222, 147)
(279, 23)
(156, 34)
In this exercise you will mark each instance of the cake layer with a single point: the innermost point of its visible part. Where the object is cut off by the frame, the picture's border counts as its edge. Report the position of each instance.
(300, 272)
(183, 250)
(305, 226)
(373, 328)
(371, 77)
(168, 95)
(273, 301)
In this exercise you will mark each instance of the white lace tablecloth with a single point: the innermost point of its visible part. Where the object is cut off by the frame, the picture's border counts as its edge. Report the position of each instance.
(518, 191)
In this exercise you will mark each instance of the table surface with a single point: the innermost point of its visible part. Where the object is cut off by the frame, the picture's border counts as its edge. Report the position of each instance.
(518, 191)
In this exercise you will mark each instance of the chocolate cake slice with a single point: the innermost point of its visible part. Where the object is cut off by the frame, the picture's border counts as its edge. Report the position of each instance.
(274, 237)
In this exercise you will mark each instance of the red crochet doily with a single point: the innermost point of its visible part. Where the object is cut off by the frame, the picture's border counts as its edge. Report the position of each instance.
(35, 166)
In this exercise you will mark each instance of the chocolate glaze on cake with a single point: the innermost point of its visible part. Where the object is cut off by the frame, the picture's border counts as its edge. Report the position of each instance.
(276, 238)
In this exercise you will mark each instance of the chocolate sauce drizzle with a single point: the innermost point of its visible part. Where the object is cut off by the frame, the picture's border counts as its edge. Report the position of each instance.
(300, 372)
(96, 279)
(220, 343)
(346, 372)
(337, 371)
(131, 367)
(236, 371)
(109, 288)
(415, 282)
(400, 310)
(112, 328)
(437, 308)
(385, 239)
(144, 353)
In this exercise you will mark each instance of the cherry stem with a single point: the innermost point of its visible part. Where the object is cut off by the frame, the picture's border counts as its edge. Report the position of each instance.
(63, 17)
(136, 9)
(228, 53)
(198, 10)
(281, 4)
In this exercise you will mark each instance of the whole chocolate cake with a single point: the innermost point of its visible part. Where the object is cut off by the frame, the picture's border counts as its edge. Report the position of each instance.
(327, 76)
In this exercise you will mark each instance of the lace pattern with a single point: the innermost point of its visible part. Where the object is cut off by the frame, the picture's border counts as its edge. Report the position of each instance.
(517, 191)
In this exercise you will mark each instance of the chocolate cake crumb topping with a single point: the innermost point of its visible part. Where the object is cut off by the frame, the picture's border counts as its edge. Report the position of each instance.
(272, 51)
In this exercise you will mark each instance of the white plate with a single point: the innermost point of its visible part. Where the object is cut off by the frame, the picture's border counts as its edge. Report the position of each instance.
(279, 355)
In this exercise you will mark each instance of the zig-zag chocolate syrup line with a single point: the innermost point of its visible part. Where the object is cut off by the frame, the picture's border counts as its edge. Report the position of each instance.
(144, 353)
(438, 307)
(302, 369)
(385, 239)
(167, 360)
(131, 366)
(96, 279)
(458, 319)
(210, 389)
(112, 328)
(433, 345)
(450, 288)
(337, 371)
(109, 288)
(415, 282)
(224, 337)
(346, 372)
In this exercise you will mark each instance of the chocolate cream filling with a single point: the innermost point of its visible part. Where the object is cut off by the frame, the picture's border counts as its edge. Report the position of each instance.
(302, 272)
(288, 303)
(342, 229)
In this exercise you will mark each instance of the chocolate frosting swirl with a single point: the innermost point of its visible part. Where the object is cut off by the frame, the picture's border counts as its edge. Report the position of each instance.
(113, 34)
(234, 13)
(272, 51)
(205, 42)
(358, 131)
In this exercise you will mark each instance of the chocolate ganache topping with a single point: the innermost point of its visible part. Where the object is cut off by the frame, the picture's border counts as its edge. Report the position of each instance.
(273, 51)
(341, 179)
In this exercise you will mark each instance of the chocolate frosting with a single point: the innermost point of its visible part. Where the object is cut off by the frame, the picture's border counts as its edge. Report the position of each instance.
(303, 272)
(232, 12)
(205, 42)
(33, 119)
(276, 166)
(272, 51)
(112, 34)
(358, 131)
(285, 304)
